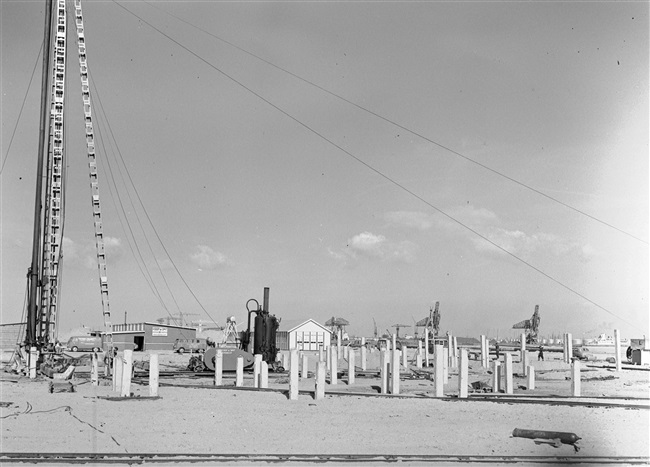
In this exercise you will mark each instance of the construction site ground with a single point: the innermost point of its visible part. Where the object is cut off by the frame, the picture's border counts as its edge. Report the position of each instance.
(191, 415)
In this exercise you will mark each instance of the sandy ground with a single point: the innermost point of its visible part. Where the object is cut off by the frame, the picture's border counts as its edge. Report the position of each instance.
(228, 420)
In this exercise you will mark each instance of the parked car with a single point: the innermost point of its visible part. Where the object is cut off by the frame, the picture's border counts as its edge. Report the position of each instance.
(77, 343)
(190, 345)
(579, 354)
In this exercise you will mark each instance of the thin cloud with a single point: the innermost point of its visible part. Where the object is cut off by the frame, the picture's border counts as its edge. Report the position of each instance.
(85, 253)
(372, 247)
(206, 258)
(526, 246)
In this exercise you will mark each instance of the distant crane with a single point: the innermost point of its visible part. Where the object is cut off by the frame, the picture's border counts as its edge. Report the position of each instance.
(376, 333)
(431, 322)
(398, 326)
(531, 326)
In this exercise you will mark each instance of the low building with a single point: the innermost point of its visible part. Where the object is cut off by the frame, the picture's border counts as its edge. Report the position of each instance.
(309, 335)
(149, 336)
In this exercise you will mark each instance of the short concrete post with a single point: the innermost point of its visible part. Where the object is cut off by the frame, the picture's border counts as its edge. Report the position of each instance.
(445, 363)
(456, 354)
(153, 375)
(522, 342)
(118, 370)
(617, 349)
(321, 370)
(346, 351)
(257, 365)
(439, 373)
(351, 368)
(239, 374)
(383, 365)
(569, 344)
(525, 361)
(426, 348)
(531, 377)
(405, 363)
(418, 359)
(94, 370)
(394, 369)
(483, 356)
(33, 358)
(508, 367)
(264, 375)
(496, 376)
(304, 372)
(364, 361)
(463, 374)
(334, 367)
(339, 346)
(127, 369)
(564, 348)
(575, 378)
(285, 360)
(293, 376)
(453, 353)
(394, 346)
(320, 353)
(218, 368)
(329, 351)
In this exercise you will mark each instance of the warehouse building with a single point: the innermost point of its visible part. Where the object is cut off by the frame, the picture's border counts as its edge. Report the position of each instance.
(149, 336)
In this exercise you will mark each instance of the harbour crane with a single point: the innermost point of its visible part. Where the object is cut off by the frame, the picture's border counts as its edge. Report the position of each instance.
(531, 326)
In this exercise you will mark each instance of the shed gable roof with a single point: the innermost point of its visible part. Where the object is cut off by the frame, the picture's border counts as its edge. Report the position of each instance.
(312, 321)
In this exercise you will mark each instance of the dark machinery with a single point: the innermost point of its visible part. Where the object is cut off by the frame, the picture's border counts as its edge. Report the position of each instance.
(266, 327)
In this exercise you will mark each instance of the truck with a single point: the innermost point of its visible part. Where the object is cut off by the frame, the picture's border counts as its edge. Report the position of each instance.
(190, 345)
(87, 343)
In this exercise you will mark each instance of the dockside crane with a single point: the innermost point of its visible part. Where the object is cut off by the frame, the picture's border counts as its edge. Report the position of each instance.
(531, 326)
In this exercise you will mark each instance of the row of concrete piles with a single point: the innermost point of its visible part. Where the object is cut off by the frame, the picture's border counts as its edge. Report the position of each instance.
(502, 374)
(391, 361)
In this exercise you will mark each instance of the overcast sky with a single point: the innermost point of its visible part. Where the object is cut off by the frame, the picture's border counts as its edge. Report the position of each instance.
(255, 178)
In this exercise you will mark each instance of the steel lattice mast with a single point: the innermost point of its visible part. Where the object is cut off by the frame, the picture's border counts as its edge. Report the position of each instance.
(92, 166)
(44, 272)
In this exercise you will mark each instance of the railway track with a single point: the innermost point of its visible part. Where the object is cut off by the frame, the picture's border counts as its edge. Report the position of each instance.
(177, 458)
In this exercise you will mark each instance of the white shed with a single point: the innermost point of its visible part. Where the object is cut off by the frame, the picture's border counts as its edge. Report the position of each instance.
(309, 336)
